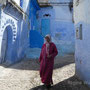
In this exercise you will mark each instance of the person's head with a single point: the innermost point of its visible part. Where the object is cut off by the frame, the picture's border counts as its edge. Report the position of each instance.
(48, 38)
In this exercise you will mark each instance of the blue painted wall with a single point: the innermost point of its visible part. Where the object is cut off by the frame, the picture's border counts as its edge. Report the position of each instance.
(61, 27)
(82, 40)
(21, 3)
(36, 40)
(34, 7)
(45, 25)
(82, 53)
(31, 7)
(58, 24)
(17, 29)
(34, 36)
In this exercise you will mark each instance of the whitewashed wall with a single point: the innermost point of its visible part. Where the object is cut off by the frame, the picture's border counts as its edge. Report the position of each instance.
(17, 1)
(82, 47)
(26, 6)
(80, 11)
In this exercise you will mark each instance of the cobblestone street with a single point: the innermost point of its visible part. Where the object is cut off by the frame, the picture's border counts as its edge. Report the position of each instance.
(25, 76)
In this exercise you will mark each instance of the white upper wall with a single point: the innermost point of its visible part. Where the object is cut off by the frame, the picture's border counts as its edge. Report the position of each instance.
(62, 13)
(87, 10)
(26, 6)
(17, 1)
(82, 11)
(57, 12)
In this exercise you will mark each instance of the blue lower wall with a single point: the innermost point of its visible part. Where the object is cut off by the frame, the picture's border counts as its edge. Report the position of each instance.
(36, 40)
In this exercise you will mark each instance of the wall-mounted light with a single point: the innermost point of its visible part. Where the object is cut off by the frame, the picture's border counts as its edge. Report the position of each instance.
(46, 15)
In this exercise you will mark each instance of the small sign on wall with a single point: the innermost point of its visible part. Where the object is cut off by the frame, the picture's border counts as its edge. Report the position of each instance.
(79, 32)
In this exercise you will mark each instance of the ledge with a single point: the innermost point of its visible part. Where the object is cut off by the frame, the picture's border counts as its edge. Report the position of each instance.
(4, 2)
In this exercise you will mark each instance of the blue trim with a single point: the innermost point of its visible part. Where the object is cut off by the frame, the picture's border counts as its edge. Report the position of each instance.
(35, 4)
(21, 3)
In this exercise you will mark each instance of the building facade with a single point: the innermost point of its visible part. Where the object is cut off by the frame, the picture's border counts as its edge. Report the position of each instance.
(56, 19)
(82, 41)
(13, 32)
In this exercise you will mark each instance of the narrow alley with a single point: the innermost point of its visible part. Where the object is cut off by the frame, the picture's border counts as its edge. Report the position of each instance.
(25, 76)
(49, 29)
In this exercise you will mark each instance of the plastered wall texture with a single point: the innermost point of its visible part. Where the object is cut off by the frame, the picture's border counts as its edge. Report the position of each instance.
(61, 27)
(13, 35)
(82, 47)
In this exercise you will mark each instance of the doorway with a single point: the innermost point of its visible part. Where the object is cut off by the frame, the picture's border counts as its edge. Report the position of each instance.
(45, 27)
(6, 47)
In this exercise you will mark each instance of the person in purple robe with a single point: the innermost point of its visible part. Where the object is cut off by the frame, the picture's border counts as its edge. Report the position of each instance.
(48, 53)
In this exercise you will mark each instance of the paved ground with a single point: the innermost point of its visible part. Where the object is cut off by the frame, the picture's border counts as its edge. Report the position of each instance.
(25, 76)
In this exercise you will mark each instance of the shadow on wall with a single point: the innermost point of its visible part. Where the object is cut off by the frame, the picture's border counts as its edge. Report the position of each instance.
(72, 83)
(36, 40)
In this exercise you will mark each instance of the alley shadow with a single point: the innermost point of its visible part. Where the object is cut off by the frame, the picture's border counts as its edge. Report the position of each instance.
(72, 83)
(35, 65)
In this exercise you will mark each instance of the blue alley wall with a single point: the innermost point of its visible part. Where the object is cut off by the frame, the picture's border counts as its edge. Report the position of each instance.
(36, 40)
(82, 52)
(57, 21)
(31, 7)
(15, 28)
(34, 7)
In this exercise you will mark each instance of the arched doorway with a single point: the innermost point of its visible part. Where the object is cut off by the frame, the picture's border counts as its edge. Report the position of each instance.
(6, 49)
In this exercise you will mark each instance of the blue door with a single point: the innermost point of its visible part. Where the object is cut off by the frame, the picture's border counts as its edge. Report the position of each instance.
(45, 27)
(9, 53)
(6, 51)
(4, 47)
